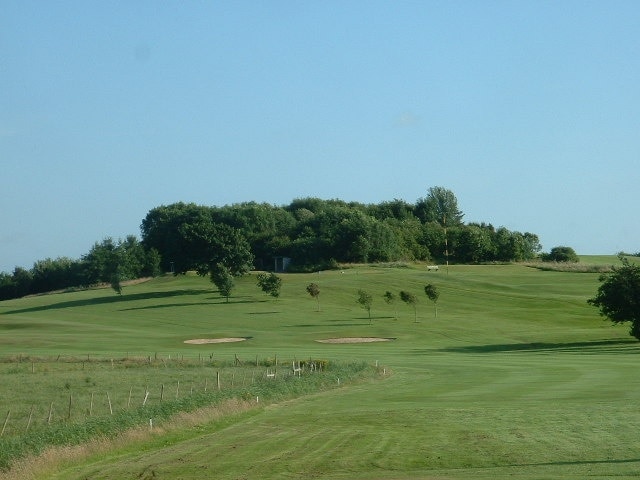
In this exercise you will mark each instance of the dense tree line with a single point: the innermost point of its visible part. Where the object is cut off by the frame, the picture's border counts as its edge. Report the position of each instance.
(224, 242)
(108, 261)
(317, 233)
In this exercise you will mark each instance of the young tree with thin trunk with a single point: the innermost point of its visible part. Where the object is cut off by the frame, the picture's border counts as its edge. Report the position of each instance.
(314, 291)
(365, 300)
(390, 299)
(222, 278)
(270, 284)
(432, 294)
(410, 299)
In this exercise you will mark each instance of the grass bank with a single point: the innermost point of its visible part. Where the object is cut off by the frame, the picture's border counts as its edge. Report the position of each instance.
(516, 375)
(51, 403)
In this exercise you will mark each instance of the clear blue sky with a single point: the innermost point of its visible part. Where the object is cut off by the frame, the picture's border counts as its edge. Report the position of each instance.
(528, 111)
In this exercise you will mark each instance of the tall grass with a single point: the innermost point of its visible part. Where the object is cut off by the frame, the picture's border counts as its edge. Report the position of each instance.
(570, 267)
(76, 393)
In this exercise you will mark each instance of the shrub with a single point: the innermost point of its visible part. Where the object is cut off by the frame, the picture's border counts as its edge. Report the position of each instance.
(560, 254)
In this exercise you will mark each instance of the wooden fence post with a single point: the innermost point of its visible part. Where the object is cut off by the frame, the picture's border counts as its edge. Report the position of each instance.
(6, 420)
(29, 421)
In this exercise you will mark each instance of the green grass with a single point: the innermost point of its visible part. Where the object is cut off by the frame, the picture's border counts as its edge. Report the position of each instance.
(516, 377)
(71, 402)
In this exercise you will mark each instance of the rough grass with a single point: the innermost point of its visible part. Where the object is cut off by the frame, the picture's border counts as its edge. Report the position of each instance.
(516, 377)
(76, 403)
(571, 267)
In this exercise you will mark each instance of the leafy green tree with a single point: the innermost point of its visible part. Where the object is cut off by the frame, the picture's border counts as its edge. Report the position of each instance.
(473, 244)
(400, 239)
(390, 299)
(152, 264)
(23, 279)
(114, 262)
(440, 205)
(396, 209)
(532, 245)
(115, 283)
(63, 272)
(432, 294)
(433, 239)
(212, 243)
(270, 283)
(7, 287)
(314, 290)
(561, 254)
(365, 300)
(15, 285)
(221, 277)
(618, 296)
(106, 263)
(411, 300)
(165, 228)
(267, 228)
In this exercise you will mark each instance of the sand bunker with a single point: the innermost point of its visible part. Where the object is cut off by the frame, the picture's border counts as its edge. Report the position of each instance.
(202, 341)
(355, 340)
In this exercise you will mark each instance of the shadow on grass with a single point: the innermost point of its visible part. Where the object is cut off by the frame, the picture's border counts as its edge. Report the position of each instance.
(309, 325)
(165, 305)
(597, 347)
(589, 462)
(579, 462)
(111, 299)
(213, 301)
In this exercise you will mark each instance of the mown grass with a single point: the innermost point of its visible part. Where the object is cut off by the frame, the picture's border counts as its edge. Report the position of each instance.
(517, 376)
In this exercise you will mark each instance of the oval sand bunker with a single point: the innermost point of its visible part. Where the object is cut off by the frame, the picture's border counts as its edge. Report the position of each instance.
(202, 341)
(355, 340)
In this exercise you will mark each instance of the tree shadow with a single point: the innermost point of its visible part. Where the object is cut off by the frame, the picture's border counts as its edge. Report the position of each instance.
(373, 317)
(580, 462)
(309, 325)
(111, 299)
(588, 348)
(231, 301)
(165, 305)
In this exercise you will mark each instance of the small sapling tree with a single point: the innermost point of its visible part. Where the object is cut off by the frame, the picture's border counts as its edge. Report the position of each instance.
(618, 297)
(410, 299)
(116, 284)
(390, 299)
(432, 294)
(365, 300)
(314, 291)
(222, 278)
(270, 284)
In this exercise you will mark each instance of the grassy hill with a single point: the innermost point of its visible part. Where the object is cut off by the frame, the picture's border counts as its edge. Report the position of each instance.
(517, 376)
